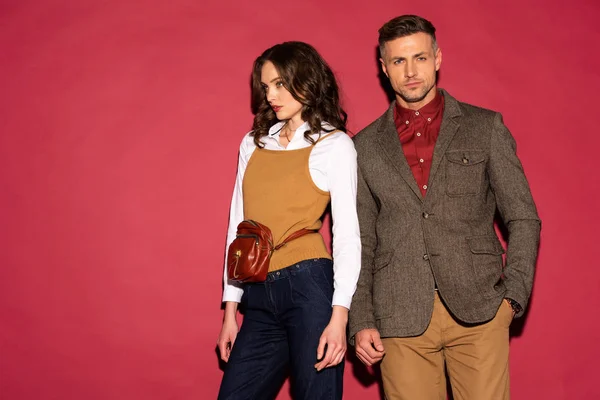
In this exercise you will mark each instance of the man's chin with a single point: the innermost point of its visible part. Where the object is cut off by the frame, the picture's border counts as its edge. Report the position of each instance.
(413, 99)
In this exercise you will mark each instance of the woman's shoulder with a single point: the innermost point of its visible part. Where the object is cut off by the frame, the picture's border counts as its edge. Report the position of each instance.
(337, 135)
(247, 143)
(337, 139)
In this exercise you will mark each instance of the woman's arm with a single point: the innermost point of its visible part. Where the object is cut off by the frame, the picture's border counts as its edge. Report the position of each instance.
(232, 291)
(341, 182)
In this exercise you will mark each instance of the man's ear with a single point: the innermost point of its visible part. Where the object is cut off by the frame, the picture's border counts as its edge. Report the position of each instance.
(383, 68)
(438, 59)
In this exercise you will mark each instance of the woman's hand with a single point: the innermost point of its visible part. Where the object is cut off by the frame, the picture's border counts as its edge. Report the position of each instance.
(334, 337)
(229, 330)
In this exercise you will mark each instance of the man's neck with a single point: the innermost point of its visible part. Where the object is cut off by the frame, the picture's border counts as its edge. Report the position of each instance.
(419, 104)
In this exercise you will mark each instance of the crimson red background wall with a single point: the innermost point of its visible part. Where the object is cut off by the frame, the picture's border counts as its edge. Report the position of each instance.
(119, 128)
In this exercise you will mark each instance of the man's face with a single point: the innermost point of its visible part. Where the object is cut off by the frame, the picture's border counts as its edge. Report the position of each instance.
(411, 63)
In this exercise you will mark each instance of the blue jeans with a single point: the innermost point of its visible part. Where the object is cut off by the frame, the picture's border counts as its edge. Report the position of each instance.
(285, 317)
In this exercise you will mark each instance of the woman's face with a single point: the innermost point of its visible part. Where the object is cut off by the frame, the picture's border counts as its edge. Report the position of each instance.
(286, 107)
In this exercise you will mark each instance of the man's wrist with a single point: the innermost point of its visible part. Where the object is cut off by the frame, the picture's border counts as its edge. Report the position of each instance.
(516, 307)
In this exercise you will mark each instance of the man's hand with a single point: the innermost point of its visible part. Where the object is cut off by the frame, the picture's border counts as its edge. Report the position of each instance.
(369, 348)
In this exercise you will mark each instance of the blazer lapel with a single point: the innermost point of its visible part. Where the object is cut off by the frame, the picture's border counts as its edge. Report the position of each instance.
(448, 129)
(392, 148)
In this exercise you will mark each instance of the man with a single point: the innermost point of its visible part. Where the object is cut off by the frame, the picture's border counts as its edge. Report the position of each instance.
(433, 292)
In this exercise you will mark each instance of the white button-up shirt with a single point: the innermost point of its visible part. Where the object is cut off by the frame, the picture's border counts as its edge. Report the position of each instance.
(333, 168)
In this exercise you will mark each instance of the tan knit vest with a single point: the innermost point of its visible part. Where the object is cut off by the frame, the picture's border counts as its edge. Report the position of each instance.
(280, 193)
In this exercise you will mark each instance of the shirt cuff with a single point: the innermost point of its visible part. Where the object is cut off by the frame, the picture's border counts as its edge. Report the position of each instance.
(233, 293)
(340, 299)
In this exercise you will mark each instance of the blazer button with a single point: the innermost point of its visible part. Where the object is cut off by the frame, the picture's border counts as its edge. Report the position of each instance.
(425, 257)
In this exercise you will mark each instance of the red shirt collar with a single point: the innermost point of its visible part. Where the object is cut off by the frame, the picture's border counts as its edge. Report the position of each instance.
(429, 110)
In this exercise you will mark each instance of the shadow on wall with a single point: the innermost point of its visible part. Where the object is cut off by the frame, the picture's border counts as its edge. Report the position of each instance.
(365, 376)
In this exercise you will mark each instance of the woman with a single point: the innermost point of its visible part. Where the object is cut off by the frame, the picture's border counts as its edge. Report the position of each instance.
(295, 161)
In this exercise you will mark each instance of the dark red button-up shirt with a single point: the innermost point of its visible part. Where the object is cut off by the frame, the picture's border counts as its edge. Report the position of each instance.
(418, 131)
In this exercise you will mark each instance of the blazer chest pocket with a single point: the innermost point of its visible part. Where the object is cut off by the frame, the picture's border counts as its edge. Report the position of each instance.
(464, 172)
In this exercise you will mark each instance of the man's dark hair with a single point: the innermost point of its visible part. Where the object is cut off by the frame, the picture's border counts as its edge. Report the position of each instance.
(405, 25)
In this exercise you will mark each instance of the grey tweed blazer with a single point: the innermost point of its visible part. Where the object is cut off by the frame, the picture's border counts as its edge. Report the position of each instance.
(410, 243)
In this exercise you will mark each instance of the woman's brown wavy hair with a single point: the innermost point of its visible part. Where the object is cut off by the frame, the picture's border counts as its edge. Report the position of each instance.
(310, 81)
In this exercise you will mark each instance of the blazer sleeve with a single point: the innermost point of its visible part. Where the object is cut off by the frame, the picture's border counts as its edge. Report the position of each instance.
(518, 212)
(361, 314)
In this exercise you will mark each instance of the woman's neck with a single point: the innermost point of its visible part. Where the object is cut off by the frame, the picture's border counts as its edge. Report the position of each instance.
(288, 130)
(293, 123)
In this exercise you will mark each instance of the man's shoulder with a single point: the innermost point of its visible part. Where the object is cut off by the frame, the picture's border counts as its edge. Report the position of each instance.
(368, 133)
(476, 121)
(469, 110)
(473, 110)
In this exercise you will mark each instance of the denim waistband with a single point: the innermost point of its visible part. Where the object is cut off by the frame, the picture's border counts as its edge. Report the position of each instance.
(292, 269)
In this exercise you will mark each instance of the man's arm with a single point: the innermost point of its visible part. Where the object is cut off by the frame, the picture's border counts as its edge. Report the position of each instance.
(518, 211)
(361, 313)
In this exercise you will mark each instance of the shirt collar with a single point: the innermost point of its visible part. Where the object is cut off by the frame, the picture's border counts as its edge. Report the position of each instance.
(276, 129)
(429, 110)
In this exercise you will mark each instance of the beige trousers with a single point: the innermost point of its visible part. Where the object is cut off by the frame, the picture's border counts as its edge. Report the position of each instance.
(476, 358)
